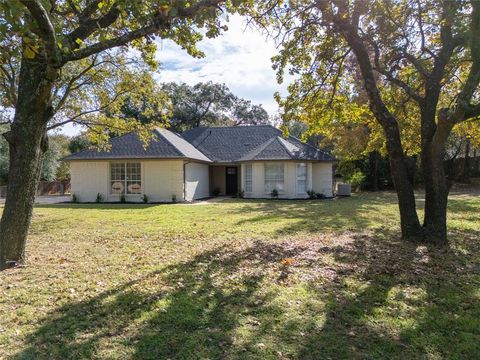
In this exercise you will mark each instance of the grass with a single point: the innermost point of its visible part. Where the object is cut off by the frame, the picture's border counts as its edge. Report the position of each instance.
(243, 280)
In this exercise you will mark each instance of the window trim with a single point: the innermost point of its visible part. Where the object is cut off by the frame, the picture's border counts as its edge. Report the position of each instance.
(245, 178)
(265, 176)
(296, 178)
(125, 162)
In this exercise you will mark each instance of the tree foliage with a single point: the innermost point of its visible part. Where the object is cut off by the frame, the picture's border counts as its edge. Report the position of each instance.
(210, 104)
(64, 61)
(99, 75)
(396, 74)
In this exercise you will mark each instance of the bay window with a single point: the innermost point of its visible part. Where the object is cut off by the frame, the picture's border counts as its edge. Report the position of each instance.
(125, 178)
(274, 177)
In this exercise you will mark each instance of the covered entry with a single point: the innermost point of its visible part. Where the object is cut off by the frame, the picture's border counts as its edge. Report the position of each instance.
(225, 179)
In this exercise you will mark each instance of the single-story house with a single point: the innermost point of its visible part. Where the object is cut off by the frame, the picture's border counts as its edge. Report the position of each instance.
(199, 162)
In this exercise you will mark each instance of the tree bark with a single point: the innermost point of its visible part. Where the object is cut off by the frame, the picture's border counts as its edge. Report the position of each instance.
(434, 138)
(27, 142)
(409, 222)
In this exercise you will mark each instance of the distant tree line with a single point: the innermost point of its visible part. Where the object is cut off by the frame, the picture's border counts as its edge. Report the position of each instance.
(203, 104)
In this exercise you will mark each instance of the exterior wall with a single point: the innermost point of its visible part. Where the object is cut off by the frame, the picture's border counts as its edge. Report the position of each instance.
(290, 178)
(89, 178)
(322, 177)
(217, 179)
(160, 180)
(196, 181)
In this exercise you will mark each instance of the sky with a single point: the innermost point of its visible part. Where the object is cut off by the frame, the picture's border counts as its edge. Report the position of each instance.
(240, 58)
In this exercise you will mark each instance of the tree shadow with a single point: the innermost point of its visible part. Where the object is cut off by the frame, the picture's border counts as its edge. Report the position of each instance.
(312, 216)
(355, 296)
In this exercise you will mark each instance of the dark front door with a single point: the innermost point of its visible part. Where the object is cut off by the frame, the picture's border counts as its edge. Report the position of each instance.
(231, 177)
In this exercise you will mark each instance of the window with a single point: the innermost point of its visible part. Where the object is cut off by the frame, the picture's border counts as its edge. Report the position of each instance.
(125, 178)
(301, 178)
(274, 178)
(248, 178)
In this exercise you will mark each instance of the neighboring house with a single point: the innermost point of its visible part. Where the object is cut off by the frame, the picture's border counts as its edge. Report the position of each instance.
(192, 165)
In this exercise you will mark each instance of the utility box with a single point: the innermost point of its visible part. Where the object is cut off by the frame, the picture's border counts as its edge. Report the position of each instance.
(344, 189)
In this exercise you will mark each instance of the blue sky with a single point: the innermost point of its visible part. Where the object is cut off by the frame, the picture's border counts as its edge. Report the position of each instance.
(240, 58)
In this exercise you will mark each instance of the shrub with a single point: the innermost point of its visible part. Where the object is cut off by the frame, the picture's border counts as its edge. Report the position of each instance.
(123, 199)
(145, 198)
(356, 179)
(74, 198)
(241, 194)
(216, 191)
(274, 194)
(174, 198)
(311, 194)
(99, 198)
(320, 196)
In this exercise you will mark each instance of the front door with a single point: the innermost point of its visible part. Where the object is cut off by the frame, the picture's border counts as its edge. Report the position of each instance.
(231, 177)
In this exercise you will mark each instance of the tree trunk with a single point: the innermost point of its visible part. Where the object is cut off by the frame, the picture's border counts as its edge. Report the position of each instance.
(434, 138)
(410, 224)
(27, 142)
(436, 199)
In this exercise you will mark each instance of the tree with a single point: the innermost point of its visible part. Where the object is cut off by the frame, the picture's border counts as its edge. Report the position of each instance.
(210, 104)
(78, 143)
(51, 50)
(53, 168)
(421, 54)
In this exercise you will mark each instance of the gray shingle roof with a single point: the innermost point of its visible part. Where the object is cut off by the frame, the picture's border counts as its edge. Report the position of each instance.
(165, 145)
(248, 143)
(219, 144)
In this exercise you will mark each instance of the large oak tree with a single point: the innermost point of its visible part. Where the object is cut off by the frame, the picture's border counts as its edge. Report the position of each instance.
(51, 48)
(427, 52)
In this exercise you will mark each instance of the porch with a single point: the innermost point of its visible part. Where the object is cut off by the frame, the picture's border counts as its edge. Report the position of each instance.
(225, 179)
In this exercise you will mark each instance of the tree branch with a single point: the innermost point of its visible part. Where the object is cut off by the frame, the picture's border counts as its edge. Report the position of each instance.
(46, 30)
(159, 21)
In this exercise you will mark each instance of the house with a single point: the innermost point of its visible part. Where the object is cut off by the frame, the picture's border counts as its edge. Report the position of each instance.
(199, 162)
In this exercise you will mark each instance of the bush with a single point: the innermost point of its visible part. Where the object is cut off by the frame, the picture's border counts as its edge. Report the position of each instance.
(174, 198)
(274, 194)
(241, 194)
(320, 196)
(145, 198)
(99, 198)
(356, 179)
(123, 199)
(74, 198)
(216, 191)
(311, 194)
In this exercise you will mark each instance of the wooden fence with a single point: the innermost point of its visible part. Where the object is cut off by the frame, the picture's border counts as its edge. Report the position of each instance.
(59, 187)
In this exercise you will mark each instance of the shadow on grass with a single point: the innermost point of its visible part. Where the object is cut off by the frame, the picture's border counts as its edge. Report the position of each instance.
(380, 298)
(309, 216)
(99, 206)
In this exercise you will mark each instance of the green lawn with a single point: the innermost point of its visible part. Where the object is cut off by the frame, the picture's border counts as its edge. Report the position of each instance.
(243, 279)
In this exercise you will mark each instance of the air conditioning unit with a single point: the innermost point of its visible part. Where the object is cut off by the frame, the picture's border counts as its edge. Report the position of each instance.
(344, 189)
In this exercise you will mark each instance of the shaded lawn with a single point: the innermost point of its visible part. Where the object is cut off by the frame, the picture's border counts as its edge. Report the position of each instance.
(242, 279)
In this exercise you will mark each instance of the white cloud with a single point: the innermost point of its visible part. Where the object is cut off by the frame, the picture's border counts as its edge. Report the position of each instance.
(240, 58)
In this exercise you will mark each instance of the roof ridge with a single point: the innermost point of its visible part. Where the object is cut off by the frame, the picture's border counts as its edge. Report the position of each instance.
(281, 141)
(157, 131)
(311, 146)
(257, 150)
(181, 143)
